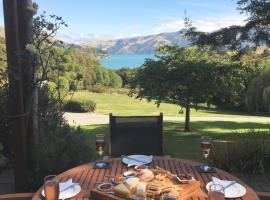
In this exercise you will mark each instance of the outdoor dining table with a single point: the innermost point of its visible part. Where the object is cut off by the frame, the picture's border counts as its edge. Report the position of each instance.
(87, 176)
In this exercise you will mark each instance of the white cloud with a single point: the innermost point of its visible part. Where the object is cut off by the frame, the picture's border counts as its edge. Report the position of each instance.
(134, 35)
(133, 26)
(208, 24)
(82, 38)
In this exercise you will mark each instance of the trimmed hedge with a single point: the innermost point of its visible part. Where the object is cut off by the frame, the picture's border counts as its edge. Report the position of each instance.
(80, 106)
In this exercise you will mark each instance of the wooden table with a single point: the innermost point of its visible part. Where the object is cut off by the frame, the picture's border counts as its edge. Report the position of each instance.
(87, 176)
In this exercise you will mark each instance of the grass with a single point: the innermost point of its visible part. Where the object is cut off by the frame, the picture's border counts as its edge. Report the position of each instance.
(119, 104)
(186, 145)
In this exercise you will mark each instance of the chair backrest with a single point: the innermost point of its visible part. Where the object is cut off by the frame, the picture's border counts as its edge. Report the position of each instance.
(17, 196)
(264, 195)
(136, 135)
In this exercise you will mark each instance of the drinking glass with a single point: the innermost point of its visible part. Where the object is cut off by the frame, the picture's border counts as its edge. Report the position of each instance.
(216, 192)
(205, 148)
(100, 144)
(51, 188)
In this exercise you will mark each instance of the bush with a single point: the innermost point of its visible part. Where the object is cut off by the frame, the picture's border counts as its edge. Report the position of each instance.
(80, 106)
(5, 143)
(60, 147)
(3, 159)
(98, 89)
(115, 79)
(248, 153)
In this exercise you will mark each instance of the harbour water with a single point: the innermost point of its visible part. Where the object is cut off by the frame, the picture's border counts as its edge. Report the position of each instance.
(119, 61)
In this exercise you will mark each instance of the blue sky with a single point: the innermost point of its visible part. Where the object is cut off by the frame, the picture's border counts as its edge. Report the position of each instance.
(108, 19)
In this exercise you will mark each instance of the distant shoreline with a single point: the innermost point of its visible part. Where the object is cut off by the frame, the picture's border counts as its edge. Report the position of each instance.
(117, 61)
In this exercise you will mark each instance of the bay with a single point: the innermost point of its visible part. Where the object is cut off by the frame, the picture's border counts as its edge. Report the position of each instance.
(124, 60)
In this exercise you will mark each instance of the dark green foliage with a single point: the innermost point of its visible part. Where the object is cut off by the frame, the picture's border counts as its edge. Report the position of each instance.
(93, 73)
(248, 153)
(254, 33)
(258, 93)
(98, 89)
(115, 79)
(5, 152)
(127, 75)
(60, 146)
(3, 158)
(187, 76)
(80, 106)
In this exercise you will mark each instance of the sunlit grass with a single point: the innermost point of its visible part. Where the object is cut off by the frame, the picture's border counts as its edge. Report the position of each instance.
(187, 144)
(125, 105)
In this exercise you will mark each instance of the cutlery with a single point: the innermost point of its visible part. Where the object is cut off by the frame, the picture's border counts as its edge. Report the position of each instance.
(230, 184)
(233, 182)
(134, 159)
(71, 186)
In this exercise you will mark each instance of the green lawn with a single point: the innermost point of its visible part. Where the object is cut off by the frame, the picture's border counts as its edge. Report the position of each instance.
(186, 145)
(125, 105)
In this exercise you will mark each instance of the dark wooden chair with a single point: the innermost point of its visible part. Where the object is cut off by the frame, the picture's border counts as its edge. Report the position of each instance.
(264, 195)
(17, 196)
(136, 135)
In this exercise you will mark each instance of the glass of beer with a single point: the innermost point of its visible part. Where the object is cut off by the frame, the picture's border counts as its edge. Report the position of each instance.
(216, 192)
(51, 188)
(206, 148)
(100, 144)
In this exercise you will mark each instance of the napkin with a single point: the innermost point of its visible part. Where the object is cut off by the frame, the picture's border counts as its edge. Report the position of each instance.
(223, 183)
(68, 189)
(145, 159)
(233, 191)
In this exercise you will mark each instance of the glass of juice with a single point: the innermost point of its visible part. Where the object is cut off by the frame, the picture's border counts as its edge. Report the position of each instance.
(51, 187)
(205, 148)
(100, 144)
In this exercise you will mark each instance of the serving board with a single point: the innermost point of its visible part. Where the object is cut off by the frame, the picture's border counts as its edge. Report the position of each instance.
(190, 189)
(187, 190)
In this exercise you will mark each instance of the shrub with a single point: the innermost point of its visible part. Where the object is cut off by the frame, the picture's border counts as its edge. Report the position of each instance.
(3, 159)
(80, 106)
(98, 89)
(248, 153)
(5, 144)
(258, 93)
(60, 147)
(63, 85)
(115, 79)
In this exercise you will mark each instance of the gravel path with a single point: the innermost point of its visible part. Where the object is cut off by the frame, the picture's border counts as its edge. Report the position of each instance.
(93, 118)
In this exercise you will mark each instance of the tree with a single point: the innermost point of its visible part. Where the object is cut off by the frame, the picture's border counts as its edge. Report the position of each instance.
(183, 75)
(255, 33)
(127, 74)
(258, 93)
(115, 79)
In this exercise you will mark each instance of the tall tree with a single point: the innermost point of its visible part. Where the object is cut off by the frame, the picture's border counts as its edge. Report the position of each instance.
(256, 31)
(186, 76)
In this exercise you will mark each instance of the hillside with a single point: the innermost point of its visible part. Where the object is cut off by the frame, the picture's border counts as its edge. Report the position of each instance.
(88, 50)
(140, 45)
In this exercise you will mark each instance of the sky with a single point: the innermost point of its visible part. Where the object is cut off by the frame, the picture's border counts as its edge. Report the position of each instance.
(111, 19)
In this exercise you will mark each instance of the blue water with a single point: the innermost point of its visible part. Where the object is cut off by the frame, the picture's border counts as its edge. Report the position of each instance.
(119, 61)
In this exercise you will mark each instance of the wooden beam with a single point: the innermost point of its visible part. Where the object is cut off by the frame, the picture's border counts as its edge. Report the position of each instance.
(16, 97)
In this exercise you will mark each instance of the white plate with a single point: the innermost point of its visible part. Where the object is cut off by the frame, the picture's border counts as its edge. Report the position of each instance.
(68, 193)
(234, 191)
(145, 160)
